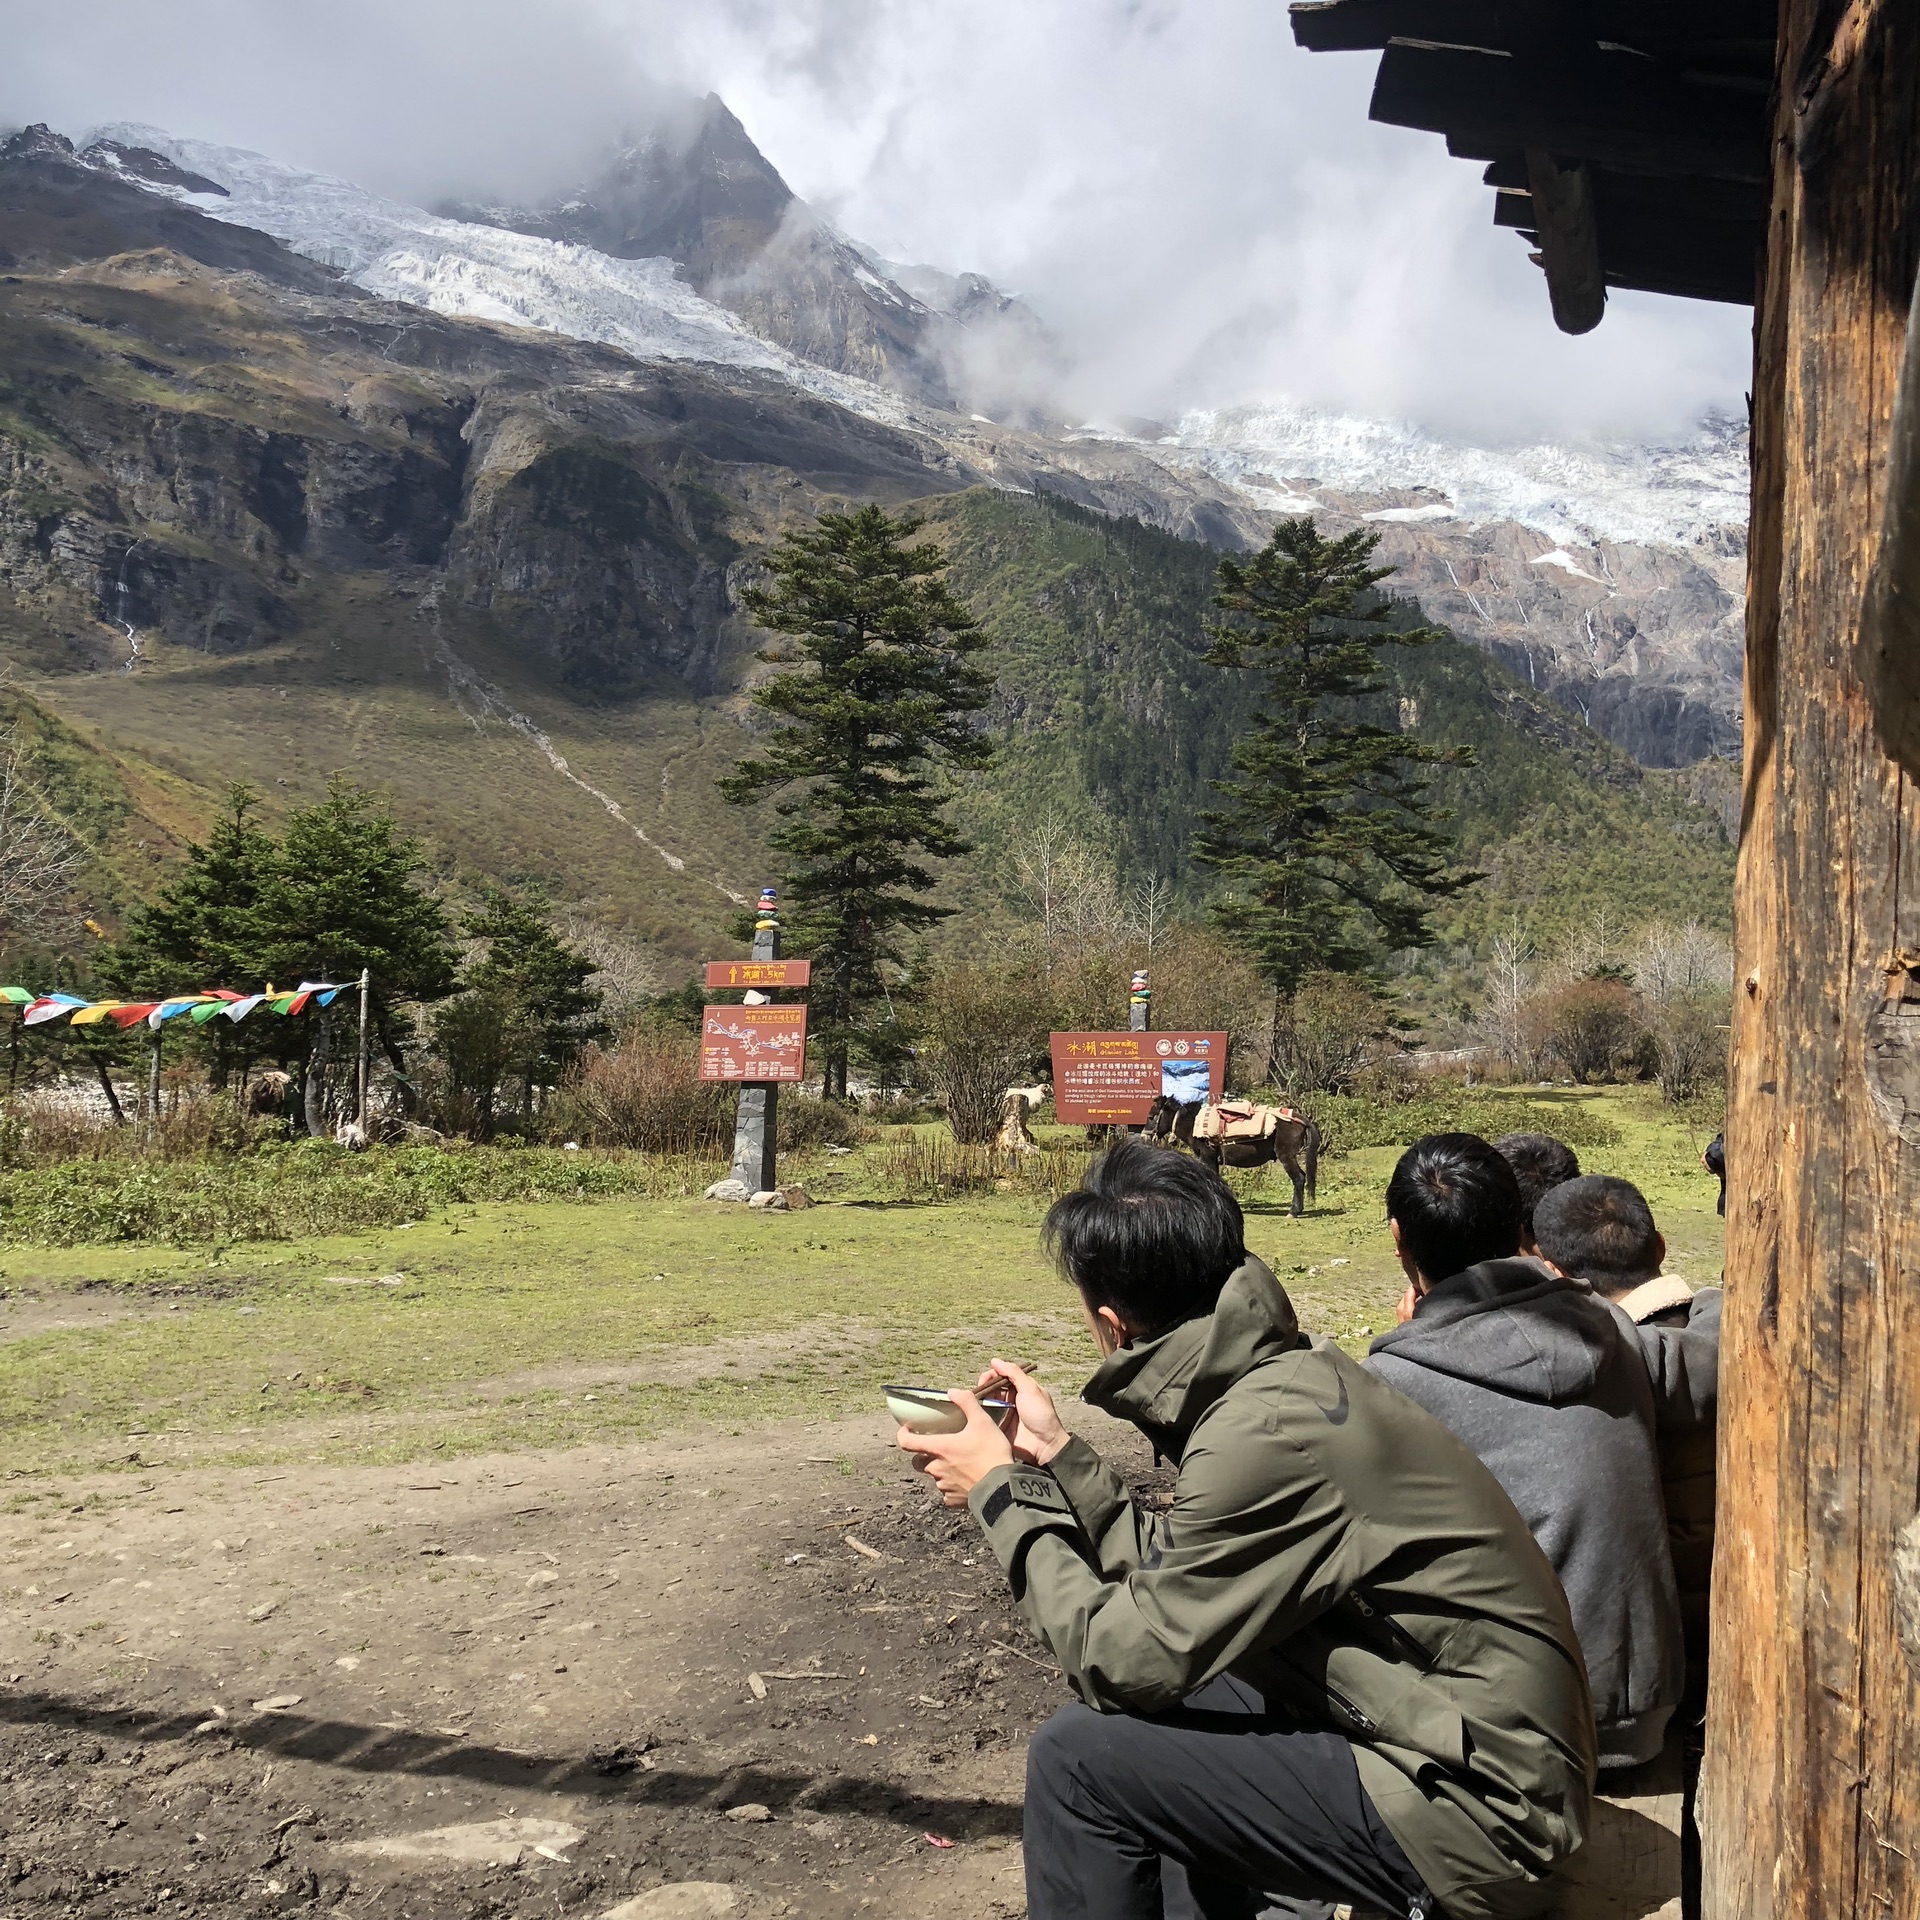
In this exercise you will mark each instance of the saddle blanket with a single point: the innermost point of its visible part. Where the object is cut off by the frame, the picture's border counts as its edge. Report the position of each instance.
(1238, 1120)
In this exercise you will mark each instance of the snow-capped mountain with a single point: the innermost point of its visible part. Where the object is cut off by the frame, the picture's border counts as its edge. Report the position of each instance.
(467, 269)
(1609, 576)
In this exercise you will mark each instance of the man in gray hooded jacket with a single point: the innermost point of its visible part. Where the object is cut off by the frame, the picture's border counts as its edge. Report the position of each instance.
(1545, 1381)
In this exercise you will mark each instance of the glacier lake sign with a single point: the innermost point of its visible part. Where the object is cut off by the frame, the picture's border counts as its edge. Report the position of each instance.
(759, 975)
(1113, 1079)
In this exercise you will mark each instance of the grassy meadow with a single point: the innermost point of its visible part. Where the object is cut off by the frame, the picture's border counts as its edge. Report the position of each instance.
(478, 1316)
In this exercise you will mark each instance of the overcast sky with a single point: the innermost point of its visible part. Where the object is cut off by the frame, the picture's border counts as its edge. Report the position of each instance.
(1202, 210)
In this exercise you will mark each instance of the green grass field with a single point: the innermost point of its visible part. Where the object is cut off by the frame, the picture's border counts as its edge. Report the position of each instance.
(498, 1324)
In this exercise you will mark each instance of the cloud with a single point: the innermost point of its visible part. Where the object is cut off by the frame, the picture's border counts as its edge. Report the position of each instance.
(1203, 212)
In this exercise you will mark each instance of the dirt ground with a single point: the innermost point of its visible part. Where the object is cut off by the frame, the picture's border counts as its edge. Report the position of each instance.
(765, 1675)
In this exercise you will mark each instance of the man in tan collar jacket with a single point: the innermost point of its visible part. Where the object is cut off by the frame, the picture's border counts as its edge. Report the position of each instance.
(1337, 1669)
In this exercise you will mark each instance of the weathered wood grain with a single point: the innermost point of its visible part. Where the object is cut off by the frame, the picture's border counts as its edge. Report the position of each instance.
(1811, 1803)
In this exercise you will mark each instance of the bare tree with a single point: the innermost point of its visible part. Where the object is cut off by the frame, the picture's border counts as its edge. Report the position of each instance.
(1685, 977)
(627, 972)
(1068, 881)
(1147, 914)
(1510, 980)
(38, 856)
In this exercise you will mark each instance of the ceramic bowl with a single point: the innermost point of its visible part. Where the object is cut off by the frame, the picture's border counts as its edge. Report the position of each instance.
(928, 1410)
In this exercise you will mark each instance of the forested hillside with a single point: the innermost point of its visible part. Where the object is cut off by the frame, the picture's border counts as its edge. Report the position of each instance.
(1108, 713)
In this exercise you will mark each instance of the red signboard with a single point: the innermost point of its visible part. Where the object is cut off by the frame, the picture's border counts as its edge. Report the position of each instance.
(759, 974)
(753, 1043)
(1111, 1079)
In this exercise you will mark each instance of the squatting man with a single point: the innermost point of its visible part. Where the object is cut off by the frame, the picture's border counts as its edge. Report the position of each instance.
(1338, 1668)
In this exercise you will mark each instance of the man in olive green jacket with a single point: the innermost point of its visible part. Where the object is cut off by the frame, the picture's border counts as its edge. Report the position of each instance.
(1339, 1667)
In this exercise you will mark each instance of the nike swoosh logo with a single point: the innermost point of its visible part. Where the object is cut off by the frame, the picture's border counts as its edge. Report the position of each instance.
(1337, 1413)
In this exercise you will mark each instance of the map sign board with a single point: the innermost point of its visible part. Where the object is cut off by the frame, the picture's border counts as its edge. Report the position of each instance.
(761, 975)
(753, 1043)
(1111, 1079)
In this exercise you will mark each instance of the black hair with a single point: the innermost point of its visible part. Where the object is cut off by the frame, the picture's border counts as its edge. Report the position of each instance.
(1456, 1203)
(1540, 1163)
(1601, 1230)
(1150, 1233)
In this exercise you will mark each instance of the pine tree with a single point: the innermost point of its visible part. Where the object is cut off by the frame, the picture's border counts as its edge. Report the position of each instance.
(527, 1011)
(1328, 836)
(344, 895)
(877, 712)
(204, 930)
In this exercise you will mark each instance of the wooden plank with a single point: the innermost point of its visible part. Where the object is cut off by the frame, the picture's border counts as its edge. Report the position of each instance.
(1811, 1801)
(1563, 216)
(1612, 111)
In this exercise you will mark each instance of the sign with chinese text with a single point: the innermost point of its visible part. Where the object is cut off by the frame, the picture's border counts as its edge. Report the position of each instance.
(761, 975)
(753, 1043)
(1111, 1079)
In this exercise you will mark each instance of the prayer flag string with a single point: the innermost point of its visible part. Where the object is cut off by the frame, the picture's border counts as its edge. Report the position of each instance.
(38, 1009)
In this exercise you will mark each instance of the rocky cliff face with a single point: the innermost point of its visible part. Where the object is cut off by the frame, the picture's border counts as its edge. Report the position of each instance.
(702, 194)
(595, 499)
(197, 426)
(1644, 643)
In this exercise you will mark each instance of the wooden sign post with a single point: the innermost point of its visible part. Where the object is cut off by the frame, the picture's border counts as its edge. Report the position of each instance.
(756, 1045)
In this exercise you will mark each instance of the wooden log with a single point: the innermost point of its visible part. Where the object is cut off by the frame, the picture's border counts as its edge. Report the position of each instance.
(1811, 1797)
(1611, 110)
(1563, 216)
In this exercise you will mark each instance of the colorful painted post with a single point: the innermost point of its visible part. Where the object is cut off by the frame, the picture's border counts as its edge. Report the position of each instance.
(1139, 1003)
(756, 1129)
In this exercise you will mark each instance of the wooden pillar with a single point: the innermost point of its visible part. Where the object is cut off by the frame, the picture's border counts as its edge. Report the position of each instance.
(1811, 1798)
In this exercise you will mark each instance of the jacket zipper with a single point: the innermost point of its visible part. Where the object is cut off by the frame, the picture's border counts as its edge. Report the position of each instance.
(1401, 1638)
(1334, 1694)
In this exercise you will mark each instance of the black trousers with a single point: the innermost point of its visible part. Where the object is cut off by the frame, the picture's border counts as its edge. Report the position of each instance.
(1216, 1811)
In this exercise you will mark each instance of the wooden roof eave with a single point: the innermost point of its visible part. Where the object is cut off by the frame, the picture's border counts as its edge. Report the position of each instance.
(1635, 130)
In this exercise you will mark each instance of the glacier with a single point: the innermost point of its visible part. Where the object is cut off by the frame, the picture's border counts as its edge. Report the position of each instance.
(1690, 493)
(474, 272)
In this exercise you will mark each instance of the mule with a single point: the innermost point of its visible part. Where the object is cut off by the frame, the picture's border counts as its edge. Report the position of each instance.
(1294, 1142)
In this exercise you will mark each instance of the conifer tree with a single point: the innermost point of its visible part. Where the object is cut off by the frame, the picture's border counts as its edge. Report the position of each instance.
(345, 894)
(204, 930)
(527, 1011)
(877, 710)
(1328, 835)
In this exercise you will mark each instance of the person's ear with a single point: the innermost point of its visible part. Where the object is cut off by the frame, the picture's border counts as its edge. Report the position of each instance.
(1408, 1265)
(1111, 1331)
(1659, 1252)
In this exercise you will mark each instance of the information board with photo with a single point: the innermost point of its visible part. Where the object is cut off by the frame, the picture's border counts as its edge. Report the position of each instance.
(1113, 1079)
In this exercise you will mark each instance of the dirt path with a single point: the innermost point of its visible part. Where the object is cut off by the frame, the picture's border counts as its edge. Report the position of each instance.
(229, 1692)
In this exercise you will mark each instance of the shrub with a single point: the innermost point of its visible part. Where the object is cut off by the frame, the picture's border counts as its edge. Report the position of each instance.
(51, 1126)
(1348, 1123)
(806, 1120)
(1331, 1032)
(645, 1091)
(1586, 1024)
(981, 1028)
(282, 1192)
